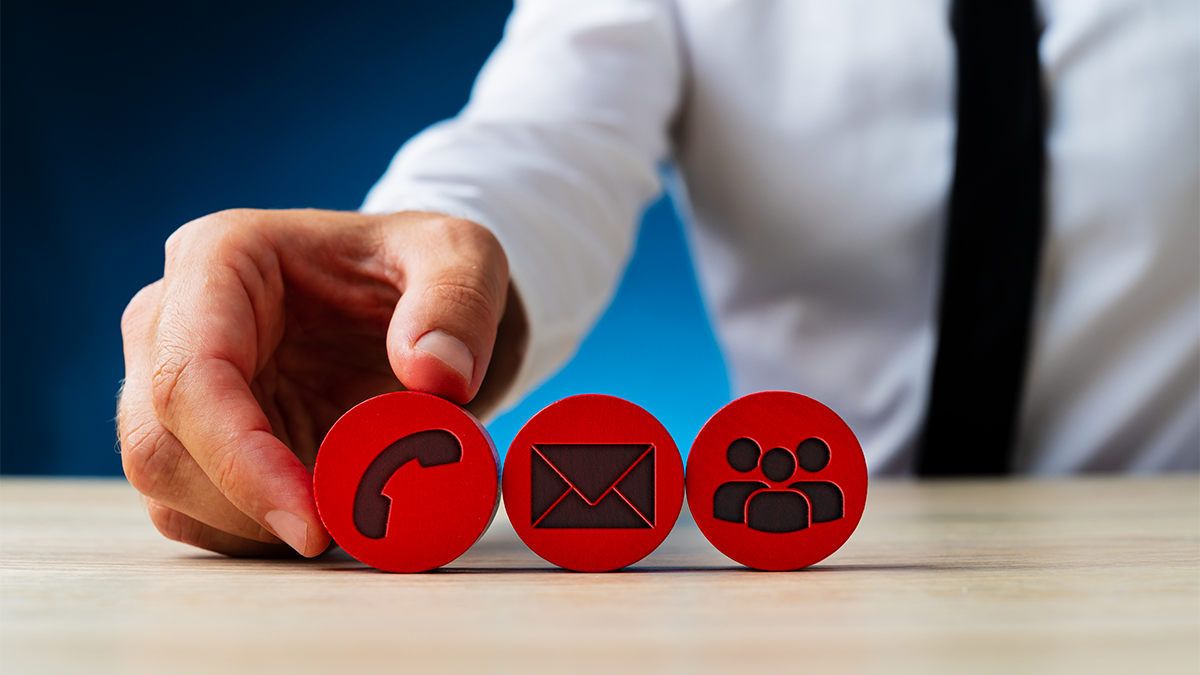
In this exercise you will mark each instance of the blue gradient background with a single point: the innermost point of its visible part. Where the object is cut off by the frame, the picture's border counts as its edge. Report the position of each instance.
(122, 121)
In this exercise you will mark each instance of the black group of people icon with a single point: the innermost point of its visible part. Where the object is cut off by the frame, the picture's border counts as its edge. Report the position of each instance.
(795, 507)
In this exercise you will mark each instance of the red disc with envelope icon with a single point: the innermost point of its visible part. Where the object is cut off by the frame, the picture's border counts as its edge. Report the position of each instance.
(406, 482)
(593, 483)
(776, 481)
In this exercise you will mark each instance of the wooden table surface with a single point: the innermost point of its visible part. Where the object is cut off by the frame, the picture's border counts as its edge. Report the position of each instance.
(1018, 576)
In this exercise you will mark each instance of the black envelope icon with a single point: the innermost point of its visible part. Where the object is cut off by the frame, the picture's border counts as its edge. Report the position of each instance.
(592, 486)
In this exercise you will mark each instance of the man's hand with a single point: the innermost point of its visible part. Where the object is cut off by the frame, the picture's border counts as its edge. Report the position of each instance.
(266, 327)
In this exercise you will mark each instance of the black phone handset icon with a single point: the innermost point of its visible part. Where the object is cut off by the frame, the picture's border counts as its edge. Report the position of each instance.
(434, 447)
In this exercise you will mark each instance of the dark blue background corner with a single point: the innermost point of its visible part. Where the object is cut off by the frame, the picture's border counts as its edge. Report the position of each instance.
(121, 121)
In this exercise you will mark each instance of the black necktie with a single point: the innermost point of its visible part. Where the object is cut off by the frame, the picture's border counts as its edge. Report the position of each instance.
(992, 242)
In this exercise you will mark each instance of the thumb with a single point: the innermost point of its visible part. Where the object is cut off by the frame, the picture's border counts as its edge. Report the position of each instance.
(443, 331)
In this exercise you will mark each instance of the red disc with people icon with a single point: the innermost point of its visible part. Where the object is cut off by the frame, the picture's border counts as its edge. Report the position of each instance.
(776, 481)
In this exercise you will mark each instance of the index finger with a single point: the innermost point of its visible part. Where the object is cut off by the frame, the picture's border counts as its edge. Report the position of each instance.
(221, 310)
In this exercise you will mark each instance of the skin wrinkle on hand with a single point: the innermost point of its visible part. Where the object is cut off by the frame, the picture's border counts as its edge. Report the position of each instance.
(326, 293)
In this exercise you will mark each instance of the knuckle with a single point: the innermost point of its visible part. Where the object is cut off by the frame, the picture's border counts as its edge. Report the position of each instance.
(147, 457)
(232, 221)
(210, 230)
(225, 471)
(185, 237)
(137, 308)
(465, 298)
(169, 367)
(467, 237)
(174, 242)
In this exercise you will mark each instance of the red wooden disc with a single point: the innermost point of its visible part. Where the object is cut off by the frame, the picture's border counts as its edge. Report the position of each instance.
(776, 481)
(406, 482)
(593, 483)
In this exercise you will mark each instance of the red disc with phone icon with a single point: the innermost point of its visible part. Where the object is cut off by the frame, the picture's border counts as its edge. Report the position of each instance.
(776, 481)
(406, 482)
(593, 483)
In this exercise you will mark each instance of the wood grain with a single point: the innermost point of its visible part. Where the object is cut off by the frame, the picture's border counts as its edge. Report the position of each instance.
(1095, 575)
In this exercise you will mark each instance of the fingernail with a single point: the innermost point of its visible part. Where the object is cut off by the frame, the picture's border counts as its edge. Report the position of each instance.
(450, 350)
(288, 527)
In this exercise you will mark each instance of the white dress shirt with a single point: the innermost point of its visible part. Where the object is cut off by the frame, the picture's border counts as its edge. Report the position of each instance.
(813, 147)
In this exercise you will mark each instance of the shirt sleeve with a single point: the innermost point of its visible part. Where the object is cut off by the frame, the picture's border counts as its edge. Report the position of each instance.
(557, 153)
